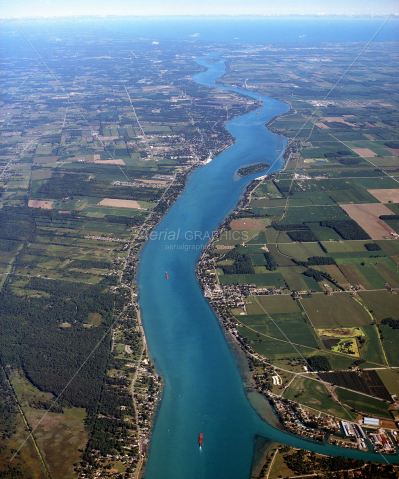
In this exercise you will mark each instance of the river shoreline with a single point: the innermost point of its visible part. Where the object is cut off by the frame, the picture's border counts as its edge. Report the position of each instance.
(204, 390)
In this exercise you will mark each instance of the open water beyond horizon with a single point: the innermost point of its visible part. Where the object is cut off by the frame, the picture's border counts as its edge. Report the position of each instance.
(204, 392)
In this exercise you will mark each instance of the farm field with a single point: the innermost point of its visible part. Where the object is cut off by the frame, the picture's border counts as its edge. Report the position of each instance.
(366, 404)
(334, 311)
(286, 326)
(313, 394)
(272, 304)
(367, 216)
(58, 435)
(390, 378)
(371, 350)
(382, 303)
(294, 279)
(390, 344)
(267, 279)
(368, 382)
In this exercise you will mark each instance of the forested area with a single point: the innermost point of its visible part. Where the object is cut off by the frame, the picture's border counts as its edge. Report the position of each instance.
(372, 247)
(392, 323)
(105, 433)
(347, 229)
(66, 185)
(242, 263)
(319, 363)
(32, 337)
(252, 169)
(317, 260)
(302, 236)
(301, 464)
(271, 264)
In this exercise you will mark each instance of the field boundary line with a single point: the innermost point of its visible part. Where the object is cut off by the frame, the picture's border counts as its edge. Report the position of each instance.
(317, 108)
(364, 158)
(320, 380)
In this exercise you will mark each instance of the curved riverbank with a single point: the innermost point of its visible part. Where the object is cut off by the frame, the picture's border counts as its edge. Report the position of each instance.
(204, 390)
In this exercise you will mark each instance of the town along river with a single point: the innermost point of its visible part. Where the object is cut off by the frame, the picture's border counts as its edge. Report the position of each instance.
(204, 391)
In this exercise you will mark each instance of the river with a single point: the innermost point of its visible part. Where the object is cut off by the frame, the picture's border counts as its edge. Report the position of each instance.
(204, 391)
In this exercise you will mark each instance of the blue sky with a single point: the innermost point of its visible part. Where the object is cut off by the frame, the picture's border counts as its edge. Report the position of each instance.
(48, 8)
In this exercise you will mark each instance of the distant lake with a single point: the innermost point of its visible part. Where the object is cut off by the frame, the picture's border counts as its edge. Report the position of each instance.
(260, 29)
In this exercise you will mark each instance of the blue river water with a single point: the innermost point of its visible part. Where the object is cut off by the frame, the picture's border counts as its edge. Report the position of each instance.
(204, 391)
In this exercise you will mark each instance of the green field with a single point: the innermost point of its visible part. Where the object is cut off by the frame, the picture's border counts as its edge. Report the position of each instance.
(313, 394)
(323, 233)
(274, 349)
(382, 303)
(268, 279)
(288, 327)
(344, 247)
(334, 311)
(294, 279)
(390, 344)
(272, 304)
(390, 377)
(297, 215)
(371, 350)
(312, 284)
(367, 405)
(280, 258)
(301, 251)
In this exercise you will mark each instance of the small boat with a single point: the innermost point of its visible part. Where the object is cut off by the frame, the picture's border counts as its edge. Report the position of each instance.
(200, 439)
(166, 275)
(258, 112)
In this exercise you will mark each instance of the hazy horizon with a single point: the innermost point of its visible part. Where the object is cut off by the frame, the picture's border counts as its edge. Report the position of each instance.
(154, 8)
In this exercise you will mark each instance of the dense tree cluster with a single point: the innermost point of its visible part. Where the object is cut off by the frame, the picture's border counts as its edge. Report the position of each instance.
(319, 363)
(349, 161)
(242, 264)
(106, 423)
(347, 229)
(271, 264)
(250, 170)
(392, 323)
(319, 275)
(67, 185)
(317, 260)
(302, 236)
(16, 224)
(304, 463)
(8, 408)
(372, 247)
(50, 355)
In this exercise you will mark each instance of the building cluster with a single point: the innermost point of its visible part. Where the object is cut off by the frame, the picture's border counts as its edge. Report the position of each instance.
(291, 417)
(381, 441)
(352, 430)
(105, 238)
(138, 184)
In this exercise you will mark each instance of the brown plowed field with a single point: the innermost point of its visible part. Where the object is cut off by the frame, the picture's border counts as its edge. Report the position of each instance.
(46, 205)
(120, 203)
(367, 216)
(365, 152)
(385, 196)
(247, 224)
